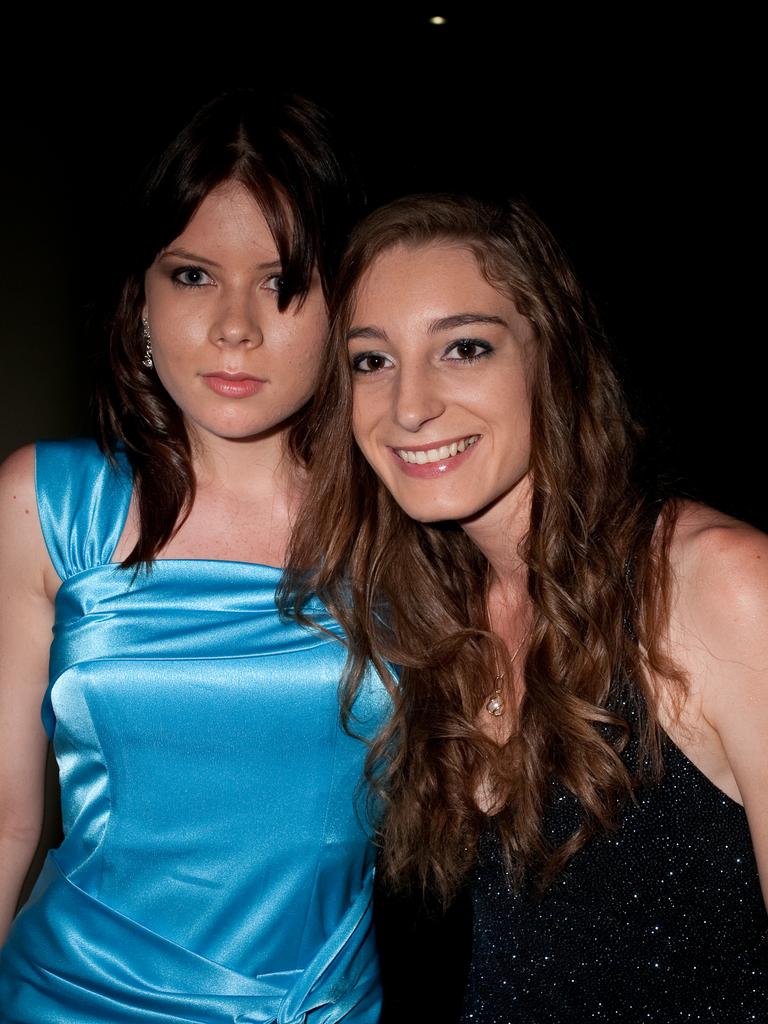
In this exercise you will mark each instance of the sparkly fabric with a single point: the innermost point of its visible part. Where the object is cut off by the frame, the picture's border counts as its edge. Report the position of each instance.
(661, 922)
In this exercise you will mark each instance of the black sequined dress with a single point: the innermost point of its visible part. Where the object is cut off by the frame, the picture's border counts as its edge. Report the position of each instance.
(660, 922)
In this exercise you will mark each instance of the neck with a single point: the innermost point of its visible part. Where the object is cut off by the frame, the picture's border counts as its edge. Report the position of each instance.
(498, 532)
(249, 467)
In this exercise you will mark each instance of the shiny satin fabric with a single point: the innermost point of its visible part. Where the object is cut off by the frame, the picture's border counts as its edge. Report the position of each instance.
(216, 865)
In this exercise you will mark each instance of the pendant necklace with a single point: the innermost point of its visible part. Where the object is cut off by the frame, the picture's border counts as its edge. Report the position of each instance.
(495, 705)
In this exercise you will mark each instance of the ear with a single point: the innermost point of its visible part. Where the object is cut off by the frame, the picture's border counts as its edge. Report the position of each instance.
(144, 312)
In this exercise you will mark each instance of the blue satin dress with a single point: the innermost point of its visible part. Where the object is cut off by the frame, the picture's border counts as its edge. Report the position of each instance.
(216, 865)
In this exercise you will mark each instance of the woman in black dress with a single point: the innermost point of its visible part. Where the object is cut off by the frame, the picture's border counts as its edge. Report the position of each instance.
(580, 724)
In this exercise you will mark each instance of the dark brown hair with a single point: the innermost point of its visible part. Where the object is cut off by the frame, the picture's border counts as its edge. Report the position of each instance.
(415, 595)
(281, 149)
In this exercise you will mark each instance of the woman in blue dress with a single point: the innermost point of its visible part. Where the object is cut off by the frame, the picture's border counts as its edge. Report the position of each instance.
(216, 863)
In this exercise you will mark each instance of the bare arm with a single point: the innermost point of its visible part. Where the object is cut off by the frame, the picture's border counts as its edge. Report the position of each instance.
(27, 583)
(722, 607)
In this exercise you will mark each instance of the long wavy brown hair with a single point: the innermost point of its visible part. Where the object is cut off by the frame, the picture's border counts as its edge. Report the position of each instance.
(416, 596)
(284, 151)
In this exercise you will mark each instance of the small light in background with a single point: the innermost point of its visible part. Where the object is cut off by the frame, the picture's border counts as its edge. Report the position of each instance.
(437, 20)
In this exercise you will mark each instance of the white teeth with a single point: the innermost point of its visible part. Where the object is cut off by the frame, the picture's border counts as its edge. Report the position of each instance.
(446, 451)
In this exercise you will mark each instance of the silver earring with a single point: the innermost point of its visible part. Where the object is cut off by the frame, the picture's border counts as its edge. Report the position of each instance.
(147, 360)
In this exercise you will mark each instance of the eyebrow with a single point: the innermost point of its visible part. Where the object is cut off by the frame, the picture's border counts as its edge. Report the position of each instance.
(185, 254)
(446, 323)
(374, 333)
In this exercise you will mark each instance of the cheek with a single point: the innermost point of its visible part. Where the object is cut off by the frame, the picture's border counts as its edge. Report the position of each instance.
(170, 375)
(359, 419)
(180, 331)
(161, 301)
(303, 366)
(174, 361)
(369, 441)
(302, 339)
(372, 416)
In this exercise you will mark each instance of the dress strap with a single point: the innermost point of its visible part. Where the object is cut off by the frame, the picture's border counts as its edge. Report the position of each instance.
(82, 502)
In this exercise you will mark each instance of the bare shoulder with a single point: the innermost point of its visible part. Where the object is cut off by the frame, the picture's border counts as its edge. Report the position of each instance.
(699, 528)
(22, 549)
(720, 570)
(718, 617)
(18, 504)
(17, 475)
(719, 634)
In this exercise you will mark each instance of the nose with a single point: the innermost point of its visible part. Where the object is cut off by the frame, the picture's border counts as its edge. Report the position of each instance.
(417, 398)
(237, 321)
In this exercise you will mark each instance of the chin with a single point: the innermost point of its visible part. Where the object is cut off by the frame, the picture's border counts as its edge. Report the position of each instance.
(243, 427)
(442, 513)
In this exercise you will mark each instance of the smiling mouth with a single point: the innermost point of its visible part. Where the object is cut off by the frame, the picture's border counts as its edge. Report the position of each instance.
(421, 456)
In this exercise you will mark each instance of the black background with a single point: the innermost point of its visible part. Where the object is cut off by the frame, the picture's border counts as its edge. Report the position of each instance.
(635, 135)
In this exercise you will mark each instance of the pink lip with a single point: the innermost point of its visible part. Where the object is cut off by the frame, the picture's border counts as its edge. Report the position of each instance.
(430, 470)
(233, 385)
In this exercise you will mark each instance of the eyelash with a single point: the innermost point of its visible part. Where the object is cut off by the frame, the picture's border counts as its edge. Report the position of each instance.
(486, 349)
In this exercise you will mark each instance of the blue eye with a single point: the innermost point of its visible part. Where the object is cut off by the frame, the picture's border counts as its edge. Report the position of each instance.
(468, 350)
(274, 283)
(369, 362)
(190, 277)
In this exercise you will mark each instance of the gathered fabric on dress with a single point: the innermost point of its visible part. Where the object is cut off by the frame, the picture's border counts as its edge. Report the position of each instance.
(216, 863)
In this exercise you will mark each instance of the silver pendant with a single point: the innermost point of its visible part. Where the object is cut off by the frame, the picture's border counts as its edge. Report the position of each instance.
(495, 705)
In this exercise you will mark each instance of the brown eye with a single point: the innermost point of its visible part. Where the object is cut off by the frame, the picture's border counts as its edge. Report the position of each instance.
(369, 362)
(467, 350)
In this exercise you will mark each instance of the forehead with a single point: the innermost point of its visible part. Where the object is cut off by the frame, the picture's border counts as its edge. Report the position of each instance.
(229, 214)
(425, 282)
